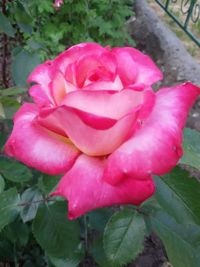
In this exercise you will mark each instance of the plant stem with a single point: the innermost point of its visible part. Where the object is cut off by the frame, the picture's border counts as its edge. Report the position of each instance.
(28, 203)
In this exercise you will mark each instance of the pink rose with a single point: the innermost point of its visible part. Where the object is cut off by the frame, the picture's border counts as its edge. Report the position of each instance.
(96, 119)
(57, 4)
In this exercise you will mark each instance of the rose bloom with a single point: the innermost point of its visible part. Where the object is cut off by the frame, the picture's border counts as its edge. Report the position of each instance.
(58, 3)
(96, 119)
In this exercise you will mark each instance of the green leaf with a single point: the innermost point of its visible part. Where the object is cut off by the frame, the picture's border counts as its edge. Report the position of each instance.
(99, 218)
(178, 194)
(182, 243)
(123, 237)
(14, 171)
(73, 261)
(55, 234)
(48, 182)
(31, 198)
(191, 147)
(12, 91)
(5, 25)
(10, 106)
(23, 61)
(6, 251)
(98, 253)
(9, 208)
(2, 112)
(17, 232)
(6, 129)
(23, 18)
(2, 184)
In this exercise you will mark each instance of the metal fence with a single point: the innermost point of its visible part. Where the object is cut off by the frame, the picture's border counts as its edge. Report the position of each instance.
(186, 13)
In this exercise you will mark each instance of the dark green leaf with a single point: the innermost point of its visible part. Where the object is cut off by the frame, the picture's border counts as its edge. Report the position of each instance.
(9, 208)
(123, 237)
(191, 147)
(2, 112)
(23, 18)
(12, 91)
(99, 218)
(31, 198)
(10, 106)
(17, 232)
(47, 183)
(182, 243)
(2, 184)
(23, 61)
(98, 253)
(55, 234)
(178, 194)
(6, 251)
(63, 263)
(5, 25)
(14, 171)
(7, 127)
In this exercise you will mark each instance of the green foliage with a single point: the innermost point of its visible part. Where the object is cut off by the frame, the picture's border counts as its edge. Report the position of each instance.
(182, 242)
(14, 171)
(177, 193)
(51, 228)
(2, 184)
(178, 221)
(99, 218)
(5, 25)
(31, 198)
(47, 183)
(124, 237)
(191, 147)
(25, 61)
(17, 232)
(8, 206)
(49, 31)
(99, 254)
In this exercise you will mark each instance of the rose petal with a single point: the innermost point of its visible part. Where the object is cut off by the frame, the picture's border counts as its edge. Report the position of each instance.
(156, 146)
(135, 67)
(37, 147)
(42, 75)
(89, 132)
(76, 52)
(60, 87)
(115, 85)
(91, 68)
(109, 104)
(85, 189)
(39, 96)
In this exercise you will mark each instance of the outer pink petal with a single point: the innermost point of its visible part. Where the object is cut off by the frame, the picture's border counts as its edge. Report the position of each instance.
(135, 67)
(36, 146)
(109, 104)
(94, 135)
(39, 96)
(156, 146)
(42, 75)
(75, 52)
(85, 189)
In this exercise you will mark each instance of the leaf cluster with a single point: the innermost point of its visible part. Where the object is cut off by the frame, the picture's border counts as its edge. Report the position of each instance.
(39, 27)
